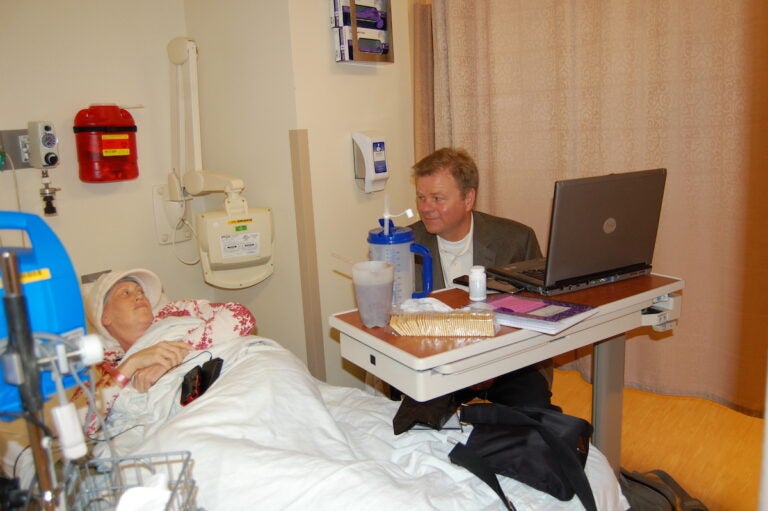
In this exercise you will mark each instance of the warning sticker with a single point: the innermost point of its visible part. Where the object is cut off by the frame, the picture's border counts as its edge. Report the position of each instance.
(115, 145)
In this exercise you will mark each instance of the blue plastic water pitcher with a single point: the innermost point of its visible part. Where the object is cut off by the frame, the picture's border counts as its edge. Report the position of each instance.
(396, 245)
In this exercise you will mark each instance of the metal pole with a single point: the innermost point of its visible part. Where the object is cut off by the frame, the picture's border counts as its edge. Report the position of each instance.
(608, 398)
(21, 341)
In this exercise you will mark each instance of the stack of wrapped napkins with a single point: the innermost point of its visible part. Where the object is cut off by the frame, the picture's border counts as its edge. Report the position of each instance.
(430, 317)
(454, 323)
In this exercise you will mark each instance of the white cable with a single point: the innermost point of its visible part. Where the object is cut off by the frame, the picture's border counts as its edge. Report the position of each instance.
(93, 410)
(183, 221)
(61, 394)
(15, 182)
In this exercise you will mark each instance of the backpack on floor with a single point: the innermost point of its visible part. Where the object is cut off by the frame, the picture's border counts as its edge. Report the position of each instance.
(656, 491)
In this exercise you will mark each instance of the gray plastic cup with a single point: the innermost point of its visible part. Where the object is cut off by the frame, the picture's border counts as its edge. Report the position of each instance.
(373, 281)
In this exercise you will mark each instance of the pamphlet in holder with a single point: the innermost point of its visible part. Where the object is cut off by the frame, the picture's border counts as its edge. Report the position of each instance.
(362, 30)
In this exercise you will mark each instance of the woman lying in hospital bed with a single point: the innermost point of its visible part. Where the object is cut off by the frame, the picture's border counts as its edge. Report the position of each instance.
(268, 435)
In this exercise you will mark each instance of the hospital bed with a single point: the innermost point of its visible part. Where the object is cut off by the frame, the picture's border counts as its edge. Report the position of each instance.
(268, 433)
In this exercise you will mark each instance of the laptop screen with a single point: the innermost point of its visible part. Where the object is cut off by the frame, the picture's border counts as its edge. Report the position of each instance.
(603, 223)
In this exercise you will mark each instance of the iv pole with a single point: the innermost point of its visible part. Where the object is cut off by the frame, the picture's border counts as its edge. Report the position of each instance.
(21, 342)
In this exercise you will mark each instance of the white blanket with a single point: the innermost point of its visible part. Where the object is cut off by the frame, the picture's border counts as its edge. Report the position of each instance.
(268, 436)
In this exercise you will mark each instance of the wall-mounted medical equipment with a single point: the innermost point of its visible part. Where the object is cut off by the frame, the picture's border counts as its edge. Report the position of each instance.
(106, 144)
(370, 159)
(235, 244)
(43, 145)
(42, 149)
(235, 250)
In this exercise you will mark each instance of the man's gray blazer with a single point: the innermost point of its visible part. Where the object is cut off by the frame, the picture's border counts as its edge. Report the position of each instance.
(496, 241)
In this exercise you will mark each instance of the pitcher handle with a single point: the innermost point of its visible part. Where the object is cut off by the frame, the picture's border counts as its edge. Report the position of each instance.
(426, 274)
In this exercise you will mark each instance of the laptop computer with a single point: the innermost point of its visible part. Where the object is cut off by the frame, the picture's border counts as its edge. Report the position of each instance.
(603, 229)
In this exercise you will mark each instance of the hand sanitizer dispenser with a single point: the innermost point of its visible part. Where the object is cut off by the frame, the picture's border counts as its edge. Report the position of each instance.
(370, 156)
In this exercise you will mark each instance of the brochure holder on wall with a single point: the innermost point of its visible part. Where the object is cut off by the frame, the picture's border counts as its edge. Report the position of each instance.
(362, 30)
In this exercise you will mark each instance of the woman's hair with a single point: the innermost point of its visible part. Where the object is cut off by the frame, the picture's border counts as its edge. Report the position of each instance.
(455, 160)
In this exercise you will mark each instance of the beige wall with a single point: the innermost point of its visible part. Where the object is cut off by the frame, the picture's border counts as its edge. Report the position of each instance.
(246, 110)
(67, 55)
(332, 101)
(265, 68)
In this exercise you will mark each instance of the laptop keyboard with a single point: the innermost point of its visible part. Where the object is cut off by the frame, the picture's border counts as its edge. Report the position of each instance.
(536, 273)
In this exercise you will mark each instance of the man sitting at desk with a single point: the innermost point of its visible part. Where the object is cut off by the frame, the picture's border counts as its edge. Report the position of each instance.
(458, 237)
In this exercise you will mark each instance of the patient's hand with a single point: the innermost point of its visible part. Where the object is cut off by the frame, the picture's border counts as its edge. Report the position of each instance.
(144, 378)
(165, 353)
(145, 367)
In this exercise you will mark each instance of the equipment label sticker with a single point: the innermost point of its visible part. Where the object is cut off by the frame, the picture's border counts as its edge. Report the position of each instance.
(239, 245)
(28, 277)
(379, 158)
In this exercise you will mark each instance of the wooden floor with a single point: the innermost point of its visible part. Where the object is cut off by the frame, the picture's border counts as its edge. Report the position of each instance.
(711, 451)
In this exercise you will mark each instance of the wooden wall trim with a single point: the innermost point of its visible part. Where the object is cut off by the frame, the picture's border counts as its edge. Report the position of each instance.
(308, 273)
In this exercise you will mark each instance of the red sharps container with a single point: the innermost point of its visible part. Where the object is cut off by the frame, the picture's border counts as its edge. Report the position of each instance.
(106, 144)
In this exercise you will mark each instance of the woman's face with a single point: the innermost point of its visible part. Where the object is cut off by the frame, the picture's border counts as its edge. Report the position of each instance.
(442, 207)
(127, 312)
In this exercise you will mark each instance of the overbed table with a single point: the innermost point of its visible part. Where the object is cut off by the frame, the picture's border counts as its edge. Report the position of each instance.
(428, 367)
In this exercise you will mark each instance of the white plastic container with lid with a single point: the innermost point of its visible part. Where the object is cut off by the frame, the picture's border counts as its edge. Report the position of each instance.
(477, 282)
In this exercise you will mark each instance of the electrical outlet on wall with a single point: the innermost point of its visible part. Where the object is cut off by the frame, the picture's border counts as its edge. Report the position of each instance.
(172, 218)
(24, 149)
(15, 144)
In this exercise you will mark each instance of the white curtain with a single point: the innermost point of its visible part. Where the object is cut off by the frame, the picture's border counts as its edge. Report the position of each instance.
(545, 90)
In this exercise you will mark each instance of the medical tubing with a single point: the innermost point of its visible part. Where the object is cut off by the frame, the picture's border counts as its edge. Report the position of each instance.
(71, 440)
(93, 410)
(57, 378)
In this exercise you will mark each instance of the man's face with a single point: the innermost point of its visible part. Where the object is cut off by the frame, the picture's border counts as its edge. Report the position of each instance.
(441, 206)
(127, 312)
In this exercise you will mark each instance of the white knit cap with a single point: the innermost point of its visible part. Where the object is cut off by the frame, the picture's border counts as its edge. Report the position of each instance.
(95, 297)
